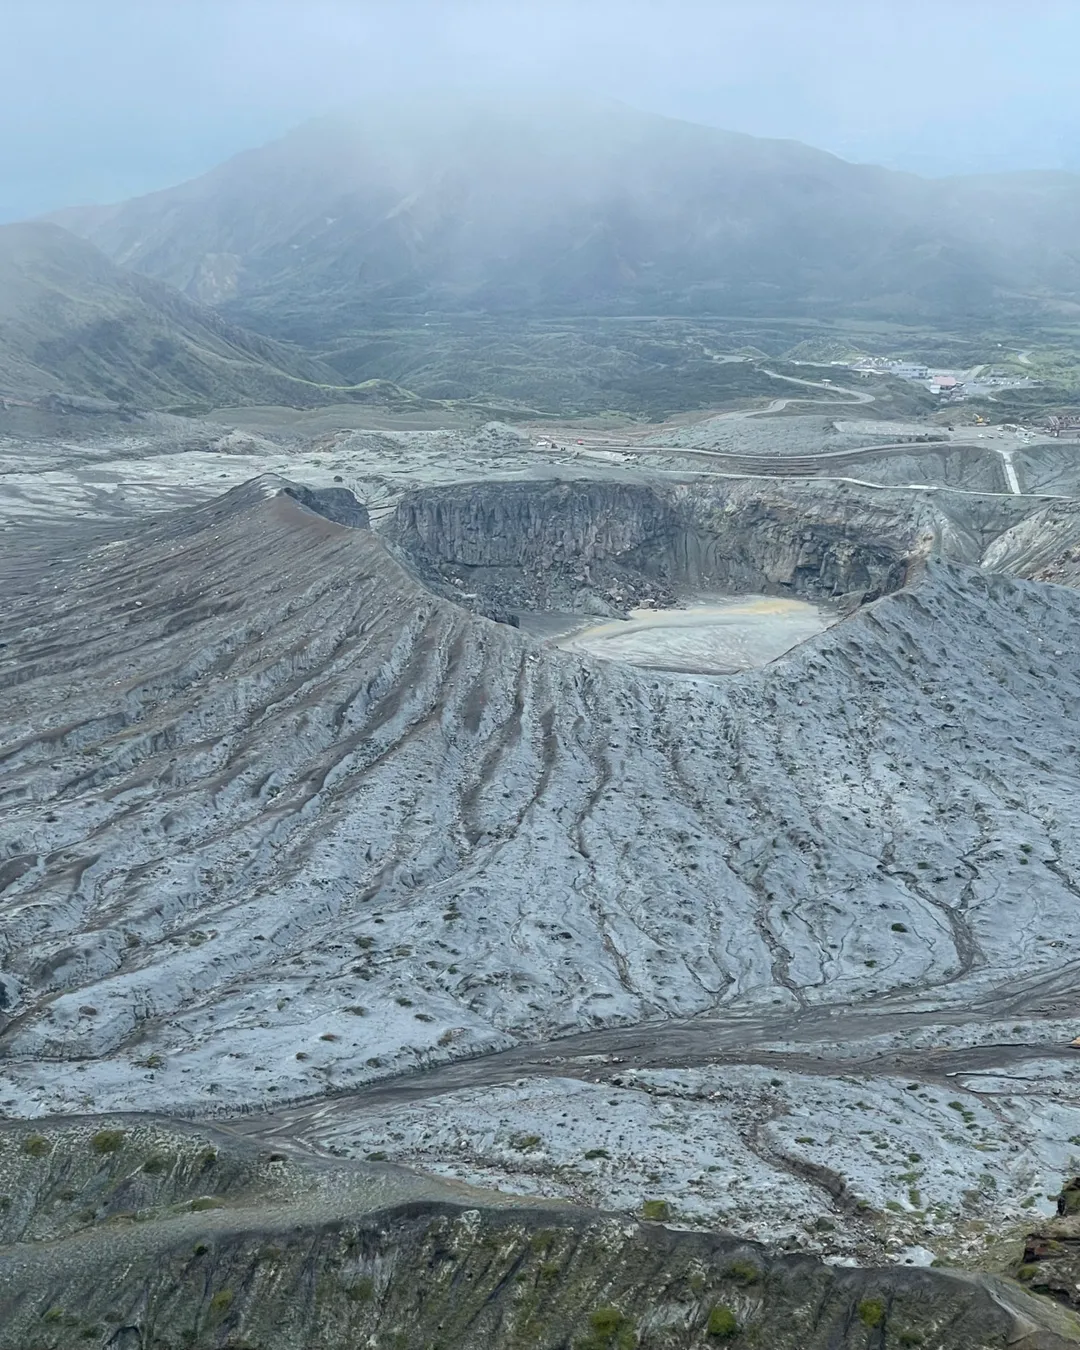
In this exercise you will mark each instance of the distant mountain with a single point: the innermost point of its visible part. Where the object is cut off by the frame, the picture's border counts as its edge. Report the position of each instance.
(73, 322)
(586, 209)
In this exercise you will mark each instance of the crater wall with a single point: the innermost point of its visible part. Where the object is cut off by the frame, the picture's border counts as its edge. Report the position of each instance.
(587, 546)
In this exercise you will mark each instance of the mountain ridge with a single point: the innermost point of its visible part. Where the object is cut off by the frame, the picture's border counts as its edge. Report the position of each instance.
(585, 208)
(73, 322)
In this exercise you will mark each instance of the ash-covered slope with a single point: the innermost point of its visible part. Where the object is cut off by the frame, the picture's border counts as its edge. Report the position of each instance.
(570, 206)
(278, 819)
(72, 322)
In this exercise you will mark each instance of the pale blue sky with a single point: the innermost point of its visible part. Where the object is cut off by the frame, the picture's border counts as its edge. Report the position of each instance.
(102, 99)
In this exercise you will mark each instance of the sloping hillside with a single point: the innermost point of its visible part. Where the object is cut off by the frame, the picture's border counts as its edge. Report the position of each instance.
(583, 208)
(73, 322)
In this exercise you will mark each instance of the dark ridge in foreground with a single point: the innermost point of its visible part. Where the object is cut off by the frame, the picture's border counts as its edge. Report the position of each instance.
(176, 1237)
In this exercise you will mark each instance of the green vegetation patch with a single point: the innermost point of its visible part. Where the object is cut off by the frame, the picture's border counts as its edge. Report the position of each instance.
(107, 1141)
(221, 1302)
(744, 1271)
(722, 1323)
(871, 1312)
(609, 1329)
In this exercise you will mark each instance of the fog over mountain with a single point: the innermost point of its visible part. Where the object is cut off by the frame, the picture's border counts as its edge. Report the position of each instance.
(582, 206)
(113, 98)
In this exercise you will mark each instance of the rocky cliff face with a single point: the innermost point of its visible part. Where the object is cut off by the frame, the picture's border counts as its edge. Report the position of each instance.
(582, 545)
(589, 546)
(1050, 1264)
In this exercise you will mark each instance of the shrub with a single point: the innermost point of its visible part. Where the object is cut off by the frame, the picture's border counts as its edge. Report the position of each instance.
(722, 1323)
(205, 1202)
(657, 1211)
(155, 1165)
(362, 1291)
(592, 1153)
(37, 1146)
(221, 1302)
(610, 1328)
(746, 1272)
(871, 1312)
(107, 1141)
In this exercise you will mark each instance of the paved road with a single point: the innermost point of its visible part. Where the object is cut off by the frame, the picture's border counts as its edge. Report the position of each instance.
(779, 404)
(1010, 471)
(856, 395)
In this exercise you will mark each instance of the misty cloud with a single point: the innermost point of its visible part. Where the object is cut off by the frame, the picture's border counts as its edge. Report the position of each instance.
(102, 99)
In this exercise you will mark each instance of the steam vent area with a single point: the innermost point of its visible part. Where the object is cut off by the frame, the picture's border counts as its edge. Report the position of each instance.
(700, 580)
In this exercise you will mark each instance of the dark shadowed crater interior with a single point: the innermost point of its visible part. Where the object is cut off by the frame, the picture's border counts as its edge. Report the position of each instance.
(710, 579)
